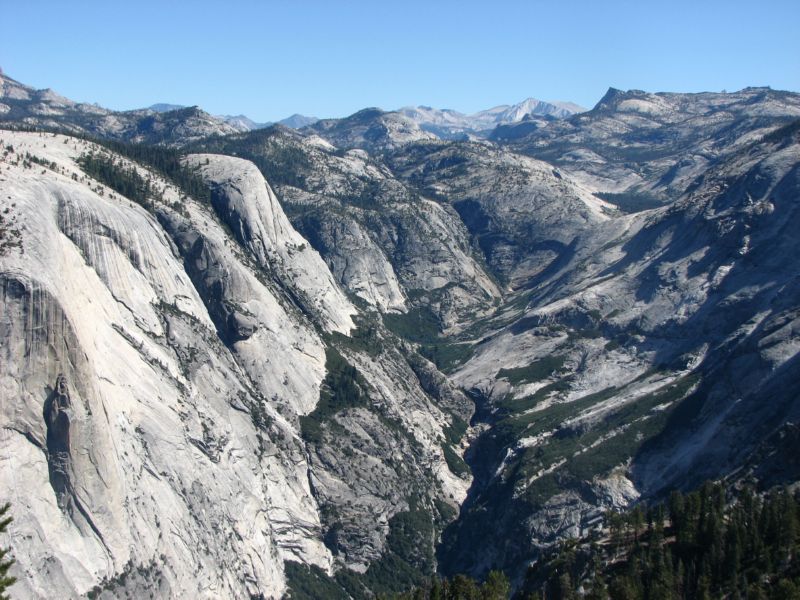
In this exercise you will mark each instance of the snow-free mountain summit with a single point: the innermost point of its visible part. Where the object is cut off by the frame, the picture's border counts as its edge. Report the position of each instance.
(341, 359)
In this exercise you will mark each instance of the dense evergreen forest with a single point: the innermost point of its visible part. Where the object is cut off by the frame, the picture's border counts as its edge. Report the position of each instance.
(698, 546)
(125, 179)
(164, 161)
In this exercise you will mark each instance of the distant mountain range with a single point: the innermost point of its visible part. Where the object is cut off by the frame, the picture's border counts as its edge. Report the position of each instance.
(443, 123)
(242, 122)
(448, 123)
(167, 123)
(341, 360)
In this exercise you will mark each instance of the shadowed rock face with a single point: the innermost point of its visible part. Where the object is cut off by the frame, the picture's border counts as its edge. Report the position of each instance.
(662, 357)
(245, 202)
(183, 369)
(602, 375)
(57, 415)
(522, 214)
(651, 147)
(215, 283)
(216, 406)
(384, 242)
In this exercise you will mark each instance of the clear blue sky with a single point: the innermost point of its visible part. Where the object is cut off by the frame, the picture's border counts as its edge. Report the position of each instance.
(270, 59)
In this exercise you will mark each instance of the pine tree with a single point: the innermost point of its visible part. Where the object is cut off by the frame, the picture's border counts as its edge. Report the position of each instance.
(496, 587)
(462, 588)
(436, 590)
(566, 590)
(637, 522)
(703, 588)
(622, 588)
(755, 592)
(598, 591)
(786, 590)
(5, 563)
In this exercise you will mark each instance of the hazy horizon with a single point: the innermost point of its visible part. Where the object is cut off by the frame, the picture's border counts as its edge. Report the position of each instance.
(270, 60)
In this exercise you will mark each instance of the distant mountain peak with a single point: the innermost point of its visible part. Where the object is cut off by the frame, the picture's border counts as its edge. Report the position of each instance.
(368, 113)
(159, 124)
(298, 121)
(451, 124)
(164, 107)
(609, 98)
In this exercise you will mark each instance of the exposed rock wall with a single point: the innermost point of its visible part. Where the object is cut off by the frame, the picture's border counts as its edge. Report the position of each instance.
(155, 370)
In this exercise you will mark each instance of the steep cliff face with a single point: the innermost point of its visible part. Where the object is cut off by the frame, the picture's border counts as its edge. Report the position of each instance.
(741, 215)
(117, 385)
(156, 376)
(662, 358)
(523, 214)
(247, 205)
(223, 399)
(650, 147)
(384, 242)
